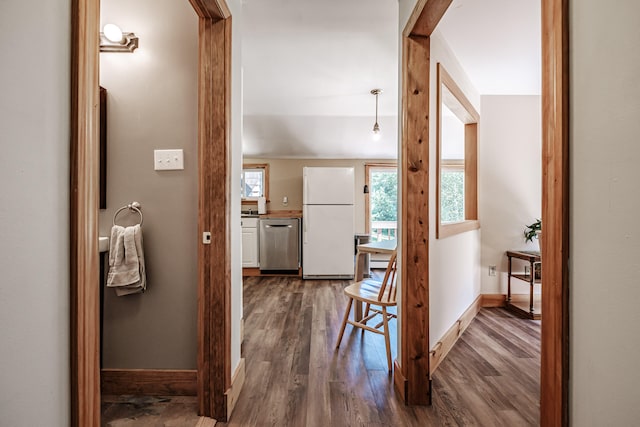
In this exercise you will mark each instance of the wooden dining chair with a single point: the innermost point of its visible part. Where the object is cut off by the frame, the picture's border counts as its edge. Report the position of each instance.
(377, 297)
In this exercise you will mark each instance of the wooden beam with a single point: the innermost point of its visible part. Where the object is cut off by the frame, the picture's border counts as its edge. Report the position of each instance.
(211, 9)
(214, 265)
(425, 17)
(554, 382)
(84, 182)
(415, 221)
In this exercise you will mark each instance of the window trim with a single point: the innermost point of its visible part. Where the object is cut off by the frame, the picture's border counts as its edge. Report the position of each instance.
(468, 115)
(265, 166)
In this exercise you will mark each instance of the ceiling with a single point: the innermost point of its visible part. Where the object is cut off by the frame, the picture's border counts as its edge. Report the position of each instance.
(309, 67)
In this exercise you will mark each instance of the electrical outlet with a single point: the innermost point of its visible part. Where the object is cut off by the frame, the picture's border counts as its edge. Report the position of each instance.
(492, 270)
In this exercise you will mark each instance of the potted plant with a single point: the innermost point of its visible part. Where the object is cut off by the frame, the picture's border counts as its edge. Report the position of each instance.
(533, 231)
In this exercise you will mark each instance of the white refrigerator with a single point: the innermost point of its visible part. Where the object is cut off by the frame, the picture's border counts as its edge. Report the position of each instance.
(328, 223)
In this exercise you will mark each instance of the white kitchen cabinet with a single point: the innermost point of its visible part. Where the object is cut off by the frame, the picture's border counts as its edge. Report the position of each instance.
(250, 242)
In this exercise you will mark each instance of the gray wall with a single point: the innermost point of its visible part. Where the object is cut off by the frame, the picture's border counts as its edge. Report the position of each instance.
(152, 104)
(605, 240)
(34, 213)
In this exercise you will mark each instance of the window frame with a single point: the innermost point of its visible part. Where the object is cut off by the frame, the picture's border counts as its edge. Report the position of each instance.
(368, 168)
(470, 117)
(253, 166)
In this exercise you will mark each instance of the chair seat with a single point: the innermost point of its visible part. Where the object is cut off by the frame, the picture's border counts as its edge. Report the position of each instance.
(367, 292)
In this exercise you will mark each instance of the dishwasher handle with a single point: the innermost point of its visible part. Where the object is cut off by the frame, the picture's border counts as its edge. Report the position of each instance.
(278, 225)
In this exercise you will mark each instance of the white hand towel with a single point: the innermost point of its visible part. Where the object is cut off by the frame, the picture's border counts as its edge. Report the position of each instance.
(126, 261)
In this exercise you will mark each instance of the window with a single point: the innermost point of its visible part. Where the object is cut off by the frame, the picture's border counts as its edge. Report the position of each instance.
(381, 201)
(457, 170)
(255, 182)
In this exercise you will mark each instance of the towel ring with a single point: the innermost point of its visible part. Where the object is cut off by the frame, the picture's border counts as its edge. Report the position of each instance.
(134, 207)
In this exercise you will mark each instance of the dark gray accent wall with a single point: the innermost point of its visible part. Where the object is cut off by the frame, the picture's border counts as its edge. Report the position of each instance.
(152, 104)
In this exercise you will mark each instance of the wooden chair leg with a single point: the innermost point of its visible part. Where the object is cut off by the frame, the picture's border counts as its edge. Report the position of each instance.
(344, 322)
(386, 336)
(366, 309)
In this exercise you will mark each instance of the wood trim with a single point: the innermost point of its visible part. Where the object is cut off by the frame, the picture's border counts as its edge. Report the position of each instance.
(211, 9)
(414, 310)
(214, 264)
(470, 162)
(554, 366)
(264, 166)
(399, 381)
(447, 230)
(150, 382)
(85, 348)
(449, 339)
(83, 212)
(555, 205)
(237, 382)
(471, 171)
(367, 199)
(444, 78)
(425, 17)
(493, 300)
(206, 422)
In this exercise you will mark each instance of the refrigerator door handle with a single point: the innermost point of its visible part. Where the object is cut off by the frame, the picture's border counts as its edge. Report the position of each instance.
(305, 219)
(305, 193)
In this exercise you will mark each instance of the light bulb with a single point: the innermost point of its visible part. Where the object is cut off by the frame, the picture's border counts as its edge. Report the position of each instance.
(376, 132)
(113, 33)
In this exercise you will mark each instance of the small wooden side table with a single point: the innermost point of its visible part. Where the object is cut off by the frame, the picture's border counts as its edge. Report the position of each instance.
(533, 258)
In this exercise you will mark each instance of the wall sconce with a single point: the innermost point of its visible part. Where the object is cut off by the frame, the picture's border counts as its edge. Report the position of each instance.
(376, 126)
(112, 39)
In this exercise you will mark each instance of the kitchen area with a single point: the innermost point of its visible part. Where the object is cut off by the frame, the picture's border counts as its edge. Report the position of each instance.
(315, 241)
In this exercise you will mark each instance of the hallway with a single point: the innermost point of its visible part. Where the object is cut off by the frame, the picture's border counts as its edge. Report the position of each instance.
(295, 377)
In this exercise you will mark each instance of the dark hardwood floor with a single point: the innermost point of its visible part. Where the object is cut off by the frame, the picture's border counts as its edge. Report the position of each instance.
(296, 378)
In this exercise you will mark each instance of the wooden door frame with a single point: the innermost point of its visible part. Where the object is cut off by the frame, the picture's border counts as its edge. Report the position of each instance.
(412, 370)
(214, 282)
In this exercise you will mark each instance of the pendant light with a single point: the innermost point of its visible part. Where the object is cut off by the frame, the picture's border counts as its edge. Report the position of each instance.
(376, 126)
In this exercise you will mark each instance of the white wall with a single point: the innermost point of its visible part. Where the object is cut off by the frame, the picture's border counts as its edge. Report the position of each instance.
(510, 183)
(236, 170)
(604, 239)
(34, 213)
(454, 262)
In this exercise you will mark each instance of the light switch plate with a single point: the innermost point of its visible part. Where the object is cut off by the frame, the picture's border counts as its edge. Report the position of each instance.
(168, 160)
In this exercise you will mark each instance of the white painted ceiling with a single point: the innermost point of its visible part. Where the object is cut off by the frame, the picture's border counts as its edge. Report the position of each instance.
(309, 67)
(497, 42)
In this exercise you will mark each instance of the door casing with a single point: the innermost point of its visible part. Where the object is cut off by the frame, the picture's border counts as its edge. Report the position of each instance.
(214, 370)
(214, 280)
(412, 369)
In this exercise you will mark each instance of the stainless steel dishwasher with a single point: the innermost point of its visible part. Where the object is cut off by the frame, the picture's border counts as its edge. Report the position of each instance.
(279, 244)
